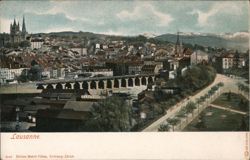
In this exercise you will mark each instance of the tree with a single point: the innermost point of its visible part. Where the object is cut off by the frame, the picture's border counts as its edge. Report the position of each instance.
(111, 114)
(24, 76)
(173, 122)
(198, 101)
(221, 84)
(24, 44)
(35, 73)
(164, 127)
(181, 113)
(190, 107)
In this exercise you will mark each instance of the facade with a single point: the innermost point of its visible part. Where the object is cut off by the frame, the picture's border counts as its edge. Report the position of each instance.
(171, 64)
(17, 35)
(134, 69)
(36, 43)
(97, 71)
(7, 74)
(150, 69)
(57, 73)
(198, 56)
(229, 60)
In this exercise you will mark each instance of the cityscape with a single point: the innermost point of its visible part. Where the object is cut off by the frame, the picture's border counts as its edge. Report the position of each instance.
(70, 80)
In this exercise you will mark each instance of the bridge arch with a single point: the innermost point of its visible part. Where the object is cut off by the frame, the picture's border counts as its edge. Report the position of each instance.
(123, 83)
(101, 84)
(49, 86)
(76, 85)
(137, 81)
(116, 83)
(59, 86)
(85, 85)
(68, 86)
(93, 85)
(144, 81)
(109, 83)
(130, 82)
(40, 86)
(150, 80)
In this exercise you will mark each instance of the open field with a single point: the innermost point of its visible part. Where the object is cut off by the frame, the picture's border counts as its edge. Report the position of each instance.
(213, 119)
(233, 101)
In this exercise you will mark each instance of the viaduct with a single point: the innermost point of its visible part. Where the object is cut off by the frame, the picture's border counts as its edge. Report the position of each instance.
(98, 83)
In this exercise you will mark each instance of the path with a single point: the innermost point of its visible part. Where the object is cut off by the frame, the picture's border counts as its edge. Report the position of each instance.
(228, 109)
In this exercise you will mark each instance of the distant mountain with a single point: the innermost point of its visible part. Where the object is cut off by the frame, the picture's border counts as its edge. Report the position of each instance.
(238, 40)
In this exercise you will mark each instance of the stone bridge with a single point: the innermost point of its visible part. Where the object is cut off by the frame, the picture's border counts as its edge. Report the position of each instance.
(98, 83)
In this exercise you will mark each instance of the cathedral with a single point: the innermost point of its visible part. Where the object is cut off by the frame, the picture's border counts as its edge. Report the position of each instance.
(17, 35)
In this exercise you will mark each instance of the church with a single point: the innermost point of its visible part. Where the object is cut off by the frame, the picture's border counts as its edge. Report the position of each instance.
(17, 35)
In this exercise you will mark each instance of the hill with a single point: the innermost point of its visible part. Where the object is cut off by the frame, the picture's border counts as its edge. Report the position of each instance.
(238, 40)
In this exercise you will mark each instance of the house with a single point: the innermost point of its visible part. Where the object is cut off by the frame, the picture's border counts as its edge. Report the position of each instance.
(171, 64)
(150, 69)
(52, 120)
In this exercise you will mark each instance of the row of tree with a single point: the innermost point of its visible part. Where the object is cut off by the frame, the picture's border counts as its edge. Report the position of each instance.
(189, 108)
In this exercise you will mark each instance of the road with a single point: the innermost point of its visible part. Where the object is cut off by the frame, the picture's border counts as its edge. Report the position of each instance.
(230, 84)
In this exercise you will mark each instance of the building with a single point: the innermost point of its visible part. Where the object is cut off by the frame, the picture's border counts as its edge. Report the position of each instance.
(227, 60)
(17, 35)
(73, 115)
(171, 64)
(36, 43)
(150, 69)
(97, 71)
(230, 60)
(119, 68)
(134, 68)
(7, 74)
(198, 56)
(57, 73)
(80, 50)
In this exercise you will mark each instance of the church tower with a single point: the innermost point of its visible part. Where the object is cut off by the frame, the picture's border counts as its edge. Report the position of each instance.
(178, 46)
(14, 32)
(17, 35)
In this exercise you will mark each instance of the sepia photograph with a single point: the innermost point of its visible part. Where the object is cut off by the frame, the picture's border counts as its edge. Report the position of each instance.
(90, 67)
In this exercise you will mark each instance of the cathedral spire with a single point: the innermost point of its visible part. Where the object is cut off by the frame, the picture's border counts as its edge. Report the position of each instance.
(177, 45)
(23, 26)
(178, 38)
(14, 22)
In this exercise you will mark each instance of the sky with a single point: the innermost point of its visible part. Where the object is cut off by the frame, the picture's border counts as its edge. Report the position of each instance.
(120, 17)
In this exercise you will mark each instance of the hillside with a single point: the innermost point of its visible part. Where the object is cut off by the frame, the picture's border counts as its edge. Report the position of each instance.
(239, 40)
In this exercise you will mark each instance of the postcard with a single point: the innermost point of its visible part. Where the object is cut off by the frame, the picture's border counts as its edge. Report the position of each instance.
(122, 79)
